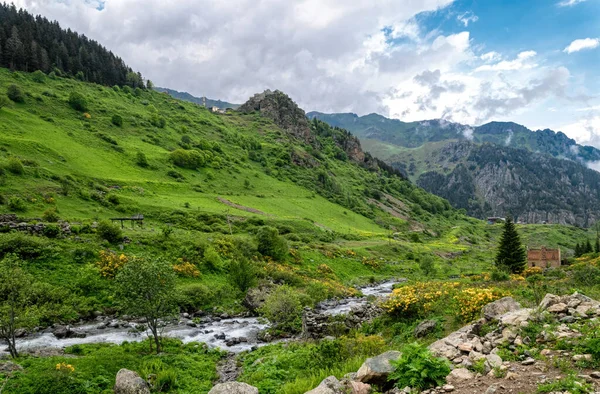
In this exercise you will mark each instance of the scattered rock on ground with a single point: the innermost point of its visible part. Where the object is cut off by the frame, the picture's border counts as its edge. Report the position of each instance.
(375, 370)
(424, 328)
(233, 388)
(129, 382)
(500, 307)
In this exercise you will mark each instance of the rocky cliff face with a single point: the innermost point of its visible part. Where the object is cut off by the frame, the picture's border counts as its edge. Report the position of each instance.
(488, 180)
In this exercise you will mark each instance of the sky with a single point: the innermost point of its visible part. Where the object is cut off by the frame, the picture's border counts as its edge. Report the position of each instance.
(534, 62)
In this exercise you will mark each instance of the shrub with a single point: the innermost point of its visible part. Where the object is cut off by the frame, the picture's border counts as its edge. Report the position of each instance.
(15, 94)
(194, 297)
(51, 231)
(184, 268)
(3, 102)
(113, 199)
(211, 259)
(78, 102)
(110, 263)
(418, 368)
(283, 309)
(427, 266)
(117, 120)
(38, 77)
(270, 243)
(141, 160)
(15, 166)
(50, 215)
(17, 204)
(191, 159)
(416, 299)
(242, 274)
(499, 275)
(110, 232)
(586, 274)
(472, 300)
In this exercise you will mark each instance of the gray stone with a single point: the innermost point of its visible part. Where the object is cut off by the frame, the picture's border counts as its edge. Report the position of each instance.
(331, 385)
(493, 361)
(425, 327)
(528, 361)
(129, 382)
(376, 369)
(595, 375)
(500, 307)
(233, 388)
(549, 300)
(459, 375)
(558, 308)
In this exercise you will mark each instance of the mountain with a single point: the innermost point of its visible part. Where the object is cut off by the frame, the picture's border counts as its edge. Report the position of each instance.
(198, 100)
(415, 134)
(495, 169)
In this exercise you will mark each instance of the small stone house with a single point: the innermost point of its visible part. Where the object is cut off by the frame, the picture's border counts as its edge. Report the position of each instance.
(543, 258)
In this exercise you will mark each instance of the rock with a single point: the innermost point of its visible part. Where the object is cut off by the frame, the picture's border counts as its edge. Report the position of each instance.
(511, 376)
(492, 389)
(376, 369)
(595, 375)
(459, 375)
(494, 310)
(61, 332)
(528, 361)
(465, 347)
(9, 367)
(549, 300)
(448, 388)
(329, 385)
(493, 361)
(424, 328)
(582, 357)
(359, 387)
(129, 382)
(558, 308)
(516, 318)
(233, 388)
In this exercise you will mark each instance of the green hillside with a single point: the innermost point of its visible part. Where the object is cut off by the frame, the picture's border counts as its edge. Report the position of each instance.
(208, 185)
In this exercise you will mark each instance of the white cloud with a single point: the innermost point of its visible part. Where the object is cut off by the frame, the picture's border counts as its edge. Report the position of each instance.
(581, 44)
(521, 62)
(585, 131)
(594, 165)
(467, 18)
(490, 57)
(569, 3)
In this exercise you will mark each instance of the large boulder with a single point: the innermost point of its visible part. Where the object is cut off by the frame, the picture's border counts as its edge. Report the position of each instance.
(459, 375)
(500, 307)
(331, 385)
(233, 388)
(129, 382)
(376, 370)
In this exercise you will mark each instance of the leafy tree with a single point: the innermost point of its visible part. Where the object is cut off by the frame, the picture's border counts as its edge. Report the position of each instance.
(15, 94)
(511, 253)
(146, 288)
(78, 102)
(109, 231)
(283, 309)
(141, 160)
(16, 308)
(427, 266)
(270, 243)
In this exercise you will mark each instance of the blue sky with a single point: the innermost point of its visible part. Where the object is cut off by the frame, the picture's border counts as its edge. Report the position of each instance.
(534, 62)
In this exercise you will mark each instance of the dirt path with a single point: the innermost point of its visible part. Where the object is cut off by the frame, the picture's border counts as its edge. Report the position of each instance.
(240, 207)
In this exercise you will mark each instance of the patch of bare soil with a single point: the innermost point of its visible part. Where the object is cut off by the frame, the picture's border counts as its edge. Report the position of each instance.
(240, 207)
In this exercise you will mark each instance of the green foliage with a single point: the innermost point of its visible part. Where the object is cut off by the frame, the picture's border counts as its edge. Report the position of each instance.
(191, 159)
(15, 166)
(146, 289)
(4, 102)
(78, 102)
(569, 384)
(109, 231)
(51, 215)
(283, 309)
(511, 254)
(117, 120)
(418, 368)
(427, 266)
(17, 204)
(499, 275)
(242, 274)
(194, 297)
(212, 260)
(51, 231)
(271, 244)
(586, 274)
(16, 310)
(38, 76)
(141, 160)
(15, 94)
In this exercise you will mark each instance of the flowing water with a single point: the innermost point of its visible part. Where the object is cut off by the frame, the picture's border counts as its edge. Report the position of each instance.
(231, 334)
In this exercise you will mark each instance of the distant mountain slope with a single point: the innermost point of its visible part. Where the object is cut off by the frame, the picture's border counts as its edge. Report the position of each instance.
(495, 169)
(185, 96)
(415, 134)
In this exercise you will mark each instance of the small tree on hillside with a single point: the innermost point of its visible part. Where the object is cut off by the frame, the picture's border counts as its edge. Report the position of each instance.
(16, 308)
(270, 243)
(147, 290)
(511, 254)
(4, 101)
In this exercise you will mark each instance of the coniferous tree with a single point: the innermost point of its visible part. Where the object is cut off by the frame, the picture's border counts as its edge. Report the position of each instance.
(588, 247)
(511, 254)
(578, 251)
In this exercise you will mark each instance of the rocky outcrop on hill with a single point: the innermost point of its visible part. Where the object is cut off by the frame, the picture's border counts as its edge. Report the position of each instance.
(278, 107)
(10, 222)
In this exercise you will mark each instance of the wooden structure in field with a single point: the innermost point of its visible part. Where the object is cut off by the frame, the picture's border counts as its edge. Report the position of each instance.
(135, 219)
(543, 258)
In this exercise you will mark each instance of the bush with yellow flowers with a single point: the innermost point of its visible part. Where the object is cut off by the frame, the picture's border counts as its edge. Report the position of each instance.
(471, 300)
(184, 268)
(324, 269)
(64, 367)
(418, 298)
(532, 271)
(110, 263)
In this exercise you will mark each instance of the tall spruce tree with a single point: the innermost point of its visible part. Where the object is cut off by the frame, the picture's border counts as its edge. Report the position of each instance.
(578, 251)
(588, 247)
(511, 254)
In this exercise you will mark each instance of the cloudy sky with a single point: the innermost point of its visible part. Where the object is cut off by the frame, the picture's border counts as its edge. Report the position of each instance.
(535, 62)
